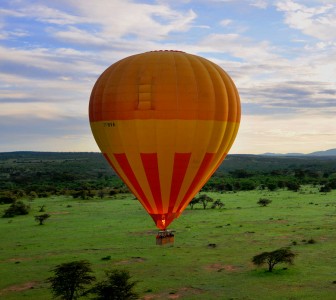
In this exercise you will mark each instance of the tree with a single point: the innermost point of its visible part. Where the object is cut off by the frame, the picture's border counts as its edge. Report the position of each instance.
(247, 185)
(41, 218)
(293, 186)
(205, 199)
(264, 202)
(70, 279)
(217, 203)
(271, 185)
(283, 255)
(17, 208)
(116, 286)
(193, 202)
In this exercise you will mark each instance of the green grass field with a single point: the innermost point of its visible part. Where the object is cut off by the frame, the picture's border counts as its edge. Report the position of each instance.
(190, 269)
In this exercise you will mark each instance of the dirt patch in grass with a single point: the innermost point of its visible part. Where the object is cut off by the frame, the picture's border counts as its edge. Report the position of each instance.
(136, 259)
(19, 287)
(18, 259)
(220, 267)
(178, 294)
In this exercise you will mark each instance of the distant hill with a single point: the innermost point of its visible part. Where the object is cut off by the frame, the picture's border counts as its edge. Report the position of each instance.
(330, 152)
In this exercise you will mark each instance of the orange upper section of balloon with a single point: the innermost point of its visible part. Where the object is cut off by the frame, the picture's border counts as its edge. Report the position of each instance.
(164, 85)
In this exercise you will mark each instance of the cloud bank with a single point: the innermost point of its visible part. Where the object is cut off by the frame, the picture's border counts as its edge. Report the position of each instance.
(279, 53)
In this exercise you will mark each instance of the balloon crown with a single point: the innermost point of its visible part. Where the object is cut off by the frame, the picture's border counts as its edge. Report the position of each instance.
(166, 51)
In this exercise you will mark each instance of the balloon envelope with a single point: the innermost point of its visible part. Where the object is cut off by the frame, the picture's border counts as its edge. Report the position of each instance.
(164, 121)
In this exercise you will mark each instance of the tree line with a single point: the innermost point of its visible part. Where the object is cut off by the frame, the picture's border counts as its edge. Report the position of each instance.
(87, 175)
(291, 179)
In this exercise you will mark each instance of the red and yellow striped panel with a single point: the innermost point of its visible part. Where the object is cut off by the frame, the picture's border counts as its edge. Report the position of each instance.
(164, 120)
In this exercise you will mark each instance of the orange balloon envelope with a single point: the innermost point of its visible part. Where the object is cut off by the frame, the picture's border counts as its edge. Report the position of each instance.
(164, 120)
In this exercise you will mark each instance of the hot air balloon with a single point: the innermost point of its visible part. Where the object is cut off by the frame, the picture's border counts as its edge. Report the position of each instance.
(164, 120)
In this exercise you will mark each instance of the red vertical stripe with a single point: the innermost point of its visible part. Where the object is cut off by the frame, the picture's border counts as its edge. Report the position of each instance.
(181, 162)
(150, 164)
(125, 166)
(208, 157)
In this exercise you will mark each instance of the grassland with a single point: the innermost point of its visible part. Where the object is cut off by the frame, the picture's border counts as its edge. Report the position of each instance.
(190, 269)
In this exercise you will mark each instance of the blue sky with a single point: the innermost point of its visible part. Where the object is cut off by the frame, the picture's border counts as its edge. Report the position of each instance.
(280, 53)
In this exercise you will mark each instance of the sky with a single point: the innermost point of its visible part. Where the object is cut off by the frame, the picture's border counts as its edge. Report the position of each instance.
(281, 55)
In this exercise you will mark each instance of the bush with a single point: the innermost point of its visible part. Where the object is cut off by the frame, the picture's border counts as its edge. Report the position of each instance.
(16, 209)
(7, 197)
(116, 286)
(264, 201)
(325, 189)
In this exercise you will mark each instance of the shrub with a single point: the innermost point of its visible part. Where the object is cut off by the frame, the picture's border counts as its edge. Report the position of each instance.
(16, 209)
(116, 286)
(325, 189)
(264, 202)
(7, 197)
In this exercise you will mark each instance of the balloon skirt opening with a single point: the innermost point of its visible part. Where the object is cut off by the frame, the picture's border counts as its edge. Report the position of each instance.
(162, 221)
(165, 237)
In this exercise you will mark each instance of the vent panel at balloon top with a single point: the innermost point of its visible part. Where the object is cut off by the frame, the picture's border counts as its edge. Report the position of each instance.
(145, 93)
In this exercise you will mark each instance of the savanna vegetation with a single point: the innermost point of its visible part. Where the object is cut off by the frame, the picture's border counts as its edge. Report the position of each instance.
(86, 175)
(226, 243)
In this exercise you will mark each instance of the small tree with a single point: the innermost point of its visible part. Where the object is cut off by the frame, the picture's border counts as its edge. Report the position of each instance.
(41, 218)
(116, 286)
(217, 203)
(193, 202)
(283, 255)
(70, 279)
(264, 202)
(205, 200)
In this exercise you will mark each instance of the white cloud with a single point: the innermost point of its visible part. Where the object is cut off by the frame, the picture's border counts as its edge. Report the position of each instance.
(50, 15)
(37, 109)
(288, 92)
(263, 4)
(318, 22)
(121, 18)
(241, 47)
(225, 22)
